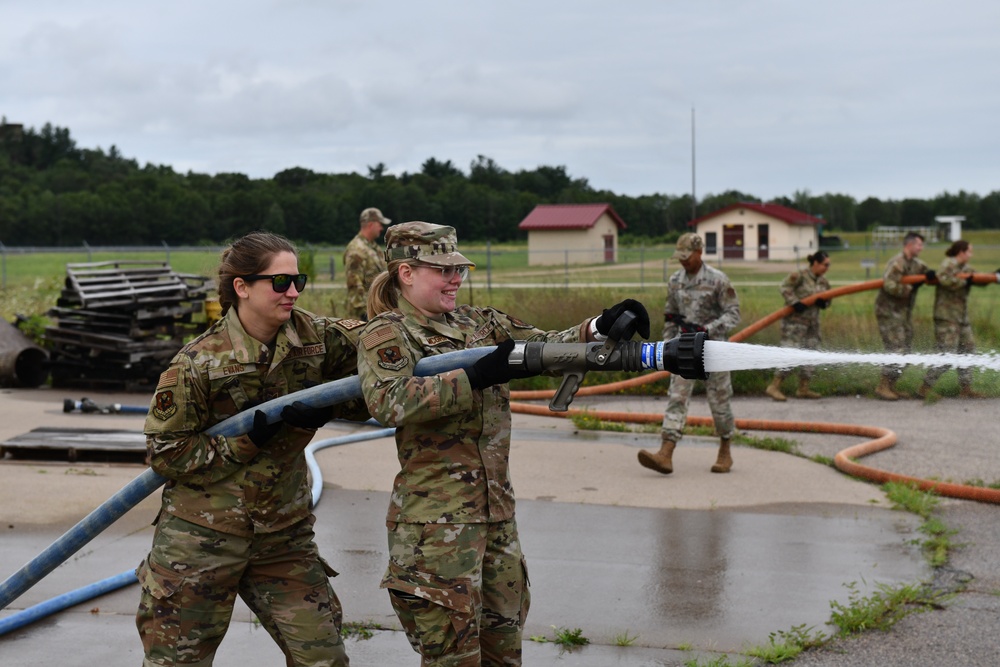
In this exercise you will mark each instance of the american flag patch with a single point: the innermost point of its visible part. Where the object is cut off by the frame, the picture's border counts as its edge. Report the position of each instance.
(168, 378)
(380, 335)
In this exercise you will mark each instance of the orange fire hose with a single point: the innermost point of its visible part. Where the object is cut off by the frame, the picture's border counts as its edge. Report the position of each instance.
(882, 438)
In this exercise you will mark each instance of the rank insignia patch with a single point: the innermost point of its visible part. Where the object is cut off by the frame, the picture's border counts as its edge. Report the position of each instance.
(391, 358)
(165, 406)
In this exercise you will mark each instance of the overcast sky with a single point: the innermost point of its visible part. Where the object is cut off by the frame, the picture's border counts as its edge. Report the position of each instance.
(888, 98)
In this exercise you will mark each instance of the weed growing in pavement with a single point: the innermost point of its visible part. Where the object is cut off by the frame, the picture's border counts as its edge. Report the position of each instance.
(882, 609)
(587, 422)
(937, 546)
(824, 460)
(625, 639)
(360, 629)
(568, 639)
(783, 646)
(718, 661)
(908, 497)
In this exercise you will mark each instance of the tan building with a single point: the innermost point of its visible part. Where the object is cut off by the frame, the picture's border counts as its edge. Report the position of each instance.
(572, 234)
(758, 232)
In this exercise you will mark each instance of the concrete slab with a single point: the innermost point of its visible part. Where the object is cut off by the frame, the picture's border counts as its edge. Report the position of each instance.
(709, 563)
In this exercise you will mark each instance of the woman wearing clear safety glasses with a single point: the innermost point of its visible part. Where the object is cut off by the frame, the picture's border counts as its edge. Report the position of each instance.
(456, 577)
(235, 516)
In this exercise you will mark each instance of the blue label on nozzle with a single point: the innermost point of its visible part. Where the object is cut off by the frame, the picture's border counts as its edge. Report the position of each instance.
(651, 355)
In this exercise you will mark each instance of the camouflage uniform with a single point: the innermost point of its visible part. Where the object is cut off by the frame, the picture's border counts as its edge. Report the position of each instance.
(894, 309)
(362, 262)
(456, 575)
(801, 330)
(952, 330)
(235, 518)
(707, 299)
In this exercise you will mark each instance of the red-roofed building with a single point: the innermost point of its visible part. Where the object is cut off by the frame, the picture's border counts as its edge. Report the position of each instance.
(572, 233)
(758, 231)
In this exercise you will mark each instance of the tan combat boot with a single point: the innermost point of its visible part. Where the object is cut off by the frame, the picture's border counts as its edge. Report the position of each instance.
(724, 462)
(661, 461)
(925, 390)
(774, 389)
(804, 391)
(884, 390)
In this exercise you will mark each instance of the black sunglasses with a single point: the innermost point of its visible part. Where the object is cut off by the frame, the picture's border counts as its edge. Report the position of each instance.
(280, 282)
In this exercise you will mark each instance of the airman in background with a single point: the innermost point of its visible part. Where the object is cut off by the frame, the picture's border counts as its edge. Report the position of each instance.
(894, 309)
(363, 261)
(699, 298)
(800, 329)
(952, 331)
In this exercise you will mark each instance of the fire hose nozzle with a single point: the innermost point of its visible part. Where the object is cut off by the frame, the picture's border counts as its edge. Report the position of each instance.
(682, 356)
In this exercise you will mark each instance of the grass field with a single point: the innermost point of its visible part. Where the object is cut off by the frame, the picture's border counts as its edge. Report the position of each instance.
(33, 282)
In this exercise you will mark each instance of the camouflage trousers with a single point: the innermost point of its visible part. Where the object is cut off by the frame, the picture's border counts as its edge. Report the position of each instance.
(718, 390)
(802, 337)
(897, 336)
(952, 337)
(460, 591)
(191, 578)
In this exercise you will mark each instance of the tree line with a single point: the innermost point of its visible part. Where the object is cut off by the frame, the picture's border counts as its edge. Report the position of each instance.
(53, 193)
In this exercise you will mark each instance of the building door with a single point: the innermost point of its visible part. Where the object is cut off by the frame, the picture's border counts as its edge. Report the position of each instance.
(732, 242)
(609, 248)
(763, 243)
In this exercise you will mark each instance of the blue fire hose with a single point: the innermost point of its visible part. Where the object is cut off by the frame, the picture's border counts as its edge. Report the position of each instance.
(142, 486)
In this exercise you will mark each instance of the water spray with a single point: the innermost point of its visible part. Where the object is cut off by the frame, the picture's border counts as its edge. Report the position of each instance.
(721, 356)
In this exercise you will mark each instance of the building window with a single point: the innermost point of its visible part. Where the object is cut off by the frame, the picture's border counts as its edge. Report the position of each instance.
(711, 241)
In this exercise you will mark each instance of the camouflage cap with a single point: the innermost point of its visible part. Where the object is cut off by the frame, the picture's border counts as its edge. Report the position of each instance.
(687, 244)
(373, 215)
(427, 242)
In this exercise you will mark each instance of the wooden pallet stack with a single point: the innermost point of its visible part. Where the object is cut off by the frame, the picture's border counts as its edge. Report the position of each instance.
(120, 322)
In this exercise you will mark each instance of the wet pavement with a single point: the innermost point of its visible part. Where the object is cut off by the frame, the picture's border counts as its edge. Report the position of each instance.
(689, 566)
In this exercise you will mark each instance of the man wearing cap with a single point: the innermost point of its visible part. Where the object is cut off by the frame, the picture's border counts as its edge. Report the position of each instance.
(699, 298)
(363, 261)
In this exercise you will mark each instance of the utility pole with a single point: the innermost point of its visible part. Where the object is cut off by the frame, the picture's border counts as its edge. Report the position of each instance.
(694, 200)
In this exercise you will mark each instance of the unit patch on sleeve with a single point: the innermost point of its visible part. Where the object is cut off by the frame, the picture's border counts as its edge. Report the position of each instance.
(165, 406)
(391, 358)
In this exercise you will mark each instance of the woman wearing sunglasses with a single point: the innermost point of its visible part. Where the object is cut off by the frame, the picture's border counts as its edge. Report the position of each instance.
(235, 516)
(456, 576)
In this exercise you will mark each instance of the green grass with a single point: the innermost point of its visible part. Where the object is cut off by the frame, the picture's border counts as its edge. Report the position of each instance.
(34, 282)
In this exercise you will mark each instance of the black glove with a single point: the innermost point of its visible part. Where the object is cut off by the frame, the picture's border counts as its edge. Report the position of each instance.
(968, 280)
(494, 368)
(262, 431)
(677, 318)
(930, 274)
(691, 327)
(799, 307)
(822, 303)
(611, 315)
(300, 415)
